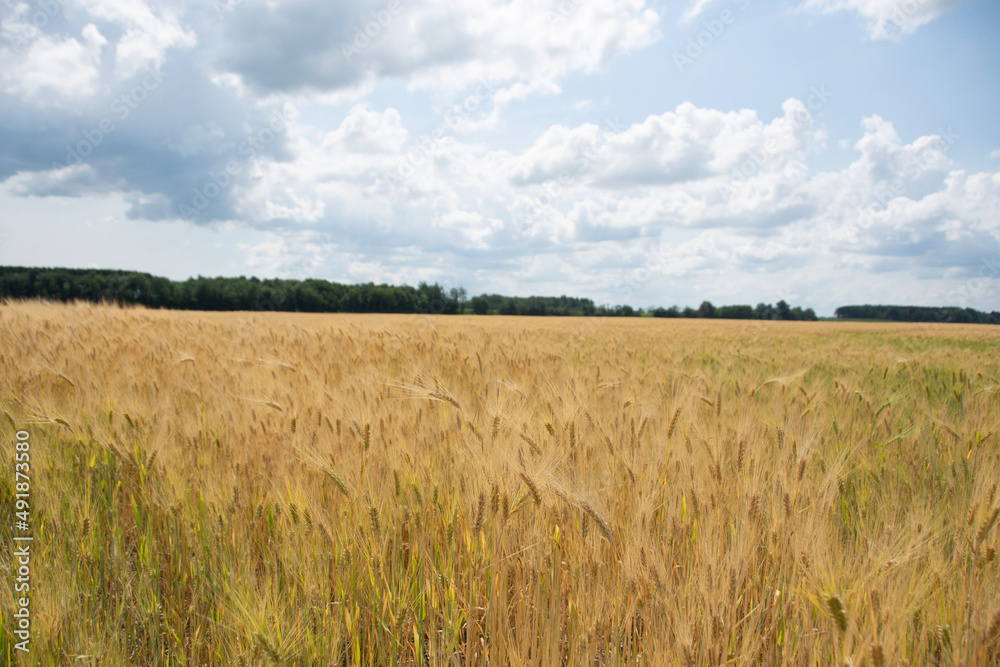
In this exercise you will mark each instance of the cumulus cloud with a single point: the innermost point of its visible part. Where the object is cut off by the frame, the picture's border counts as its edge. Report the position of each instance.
(741, 185)
(148, 32)
(309, 45)
(888, 19)
(219, 76)
(72, 181)
(264, 115)
(54, 69)
(687, 144)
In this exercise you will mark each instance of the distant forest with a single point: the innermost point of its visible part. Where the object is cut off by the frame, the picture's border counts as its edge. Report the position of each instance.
(322, 296)
(917, 314)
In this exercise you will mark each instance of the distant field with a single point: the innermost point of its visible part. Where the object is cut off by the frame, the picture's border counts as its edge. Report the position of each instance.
(250, 488)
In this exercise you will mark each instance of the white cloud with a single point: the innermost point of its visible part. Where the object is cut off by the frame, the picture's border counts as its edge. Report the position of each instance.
(54, 70)
(687, 144)
(740, 186)
(731, 195)
(297, 255)
(888, 19)
(67, 181)
(148, 33)
(695, 10)
(365, 131)
(50, 62)
(445, 48)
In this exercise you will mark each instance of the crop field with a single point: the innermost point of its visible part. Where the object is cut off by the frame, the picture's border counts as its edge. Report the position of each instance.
(281, 488)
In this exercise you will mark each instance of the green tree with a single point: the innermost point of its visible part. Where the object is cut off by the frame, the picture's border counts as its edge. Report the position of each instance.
(784, 312)
(480, 305)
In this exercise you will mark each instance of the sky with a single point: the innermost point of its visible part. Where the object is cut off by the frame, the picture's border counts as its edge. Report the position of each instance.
(641, 152)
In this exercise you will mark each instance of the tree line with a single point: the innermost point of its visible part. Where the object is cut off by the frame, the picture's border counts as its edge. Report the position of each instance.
(242, 293)
(322, 296)
(918, 314)
(762, 311)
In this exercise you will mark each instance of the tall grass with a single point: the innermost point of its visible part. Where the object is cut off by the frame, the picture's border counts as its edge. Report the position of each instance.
(248, 489)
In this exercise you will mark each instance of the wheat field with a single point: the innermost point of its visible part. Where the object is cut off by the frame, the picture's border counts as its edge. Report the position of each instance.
(280, 488)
